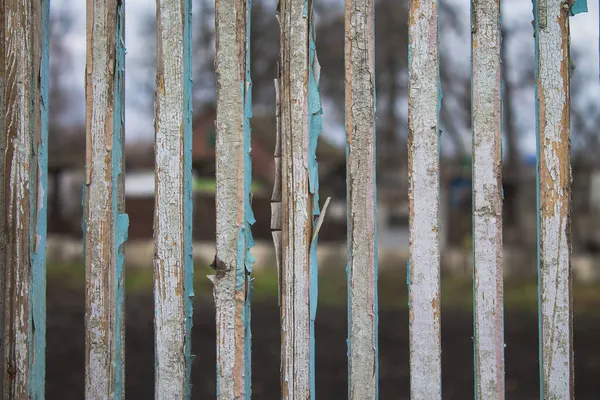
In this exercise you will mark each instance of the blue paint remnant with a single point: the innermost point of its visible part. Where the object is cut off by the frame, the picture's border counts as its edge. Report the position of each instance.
(121, 221)
(246, 241)
(38, 221)
(188, 267)
(315, 111)
(537, 197)
(580, 6)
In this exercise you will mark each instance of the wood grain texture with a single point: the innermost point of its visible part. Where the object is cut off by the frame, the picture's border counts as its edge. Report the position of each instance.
(173, 267)
(300, 124)
(361, 195)
(554, 199)
(424, 181)
(234, 213)
(25, 99)
(105, 224)
(487, 200)
(3, 238)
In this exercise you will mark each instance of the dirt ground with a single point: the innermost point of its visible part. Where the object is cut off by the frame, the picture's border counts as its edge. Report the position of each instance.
(65, 351)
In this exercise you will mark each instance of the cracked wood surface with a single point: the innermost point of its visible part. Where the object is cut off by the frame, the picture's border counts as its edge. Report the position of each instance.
(297, 283)
(234, 215)
(554, 200)
(423, 161)
(104, 230)
(362, 228)
(24, 146)
(487, 201)
(3, 238)
(173, 267)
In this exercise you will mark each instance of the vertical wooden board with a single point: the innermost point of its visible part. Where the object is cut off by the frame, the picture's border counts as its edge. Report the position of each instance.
(487, 200)
(105, 223)
(362, 221)
(173, 266)
(300, 124)
(423, 160)
(3, 137)
(554, 198)
(25, 95)
(234, 213)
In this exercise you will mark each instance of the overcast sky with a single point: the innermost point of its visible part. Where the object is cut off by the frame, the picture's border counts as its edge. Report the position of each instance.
(584, 35)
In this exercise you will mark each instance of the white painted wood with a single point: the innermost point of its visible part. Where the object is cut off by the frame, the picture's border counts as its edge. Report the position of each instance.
(552, 47)
(170, 224)
(424, 275)
(487, 198)
(231, 280)
(297, 202)
(362, 223)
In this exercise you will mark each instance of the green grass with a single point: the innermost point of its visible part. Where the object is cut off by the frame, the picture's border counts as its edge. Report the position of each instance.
(204, 185)
(457, 292)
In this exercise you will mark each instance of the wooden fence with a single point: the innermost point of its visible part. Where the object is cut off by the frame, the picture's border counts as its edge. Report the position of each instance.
(297, 214)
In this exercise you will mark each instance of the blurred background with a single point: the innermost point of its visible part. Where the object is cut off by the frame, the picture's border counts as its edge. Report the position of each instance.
(66, 162)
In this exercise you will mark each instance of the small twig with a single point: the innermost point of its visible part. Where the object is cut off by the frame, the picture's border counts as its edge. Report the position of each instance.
(320, 220)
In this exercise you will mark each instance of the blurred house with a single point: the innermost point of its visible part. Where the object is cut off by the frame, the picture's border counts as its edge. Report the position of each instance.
(66, 173)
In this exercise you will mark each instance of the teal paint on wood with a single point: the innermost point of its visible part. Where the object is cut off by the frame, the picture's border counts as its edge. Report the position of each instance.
(249, 219)
(314, 130)
(173, 263)
(39, 206)
(579, 6)
(24, 121)
(233, 260)
(188, 201)
(105, 224)
(296, 109)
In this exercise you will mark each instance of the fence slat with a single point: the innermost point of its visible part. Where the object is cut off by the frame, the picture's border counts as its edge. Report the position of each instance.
(173, 265)
(3, 237)
(233, 263)
(25, 92)
(105, 224)
(423, 160)
(554, 198)
(487, 200)
(362, 223)
(300, 127)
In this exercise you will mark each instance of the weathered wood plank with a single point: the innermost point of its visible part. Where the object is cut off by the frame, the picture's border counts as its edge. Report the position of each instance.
(423, 160)
(173, 265)
(554, 198)
(361, 195)
(105, 224)
(25, 164)
(232, 284)
(300, 123)
(487, 200)
(3, 137)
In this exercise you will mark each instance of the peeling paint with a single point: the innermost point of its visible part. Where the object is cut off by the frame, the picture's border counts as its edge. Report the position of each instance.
(361, 194)
(487, 201)
(552, 55)
(105, 224)
(299, 124)
(423, 153)
(173, 265)
(24, 94)
(232, 283)
(578, 7)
